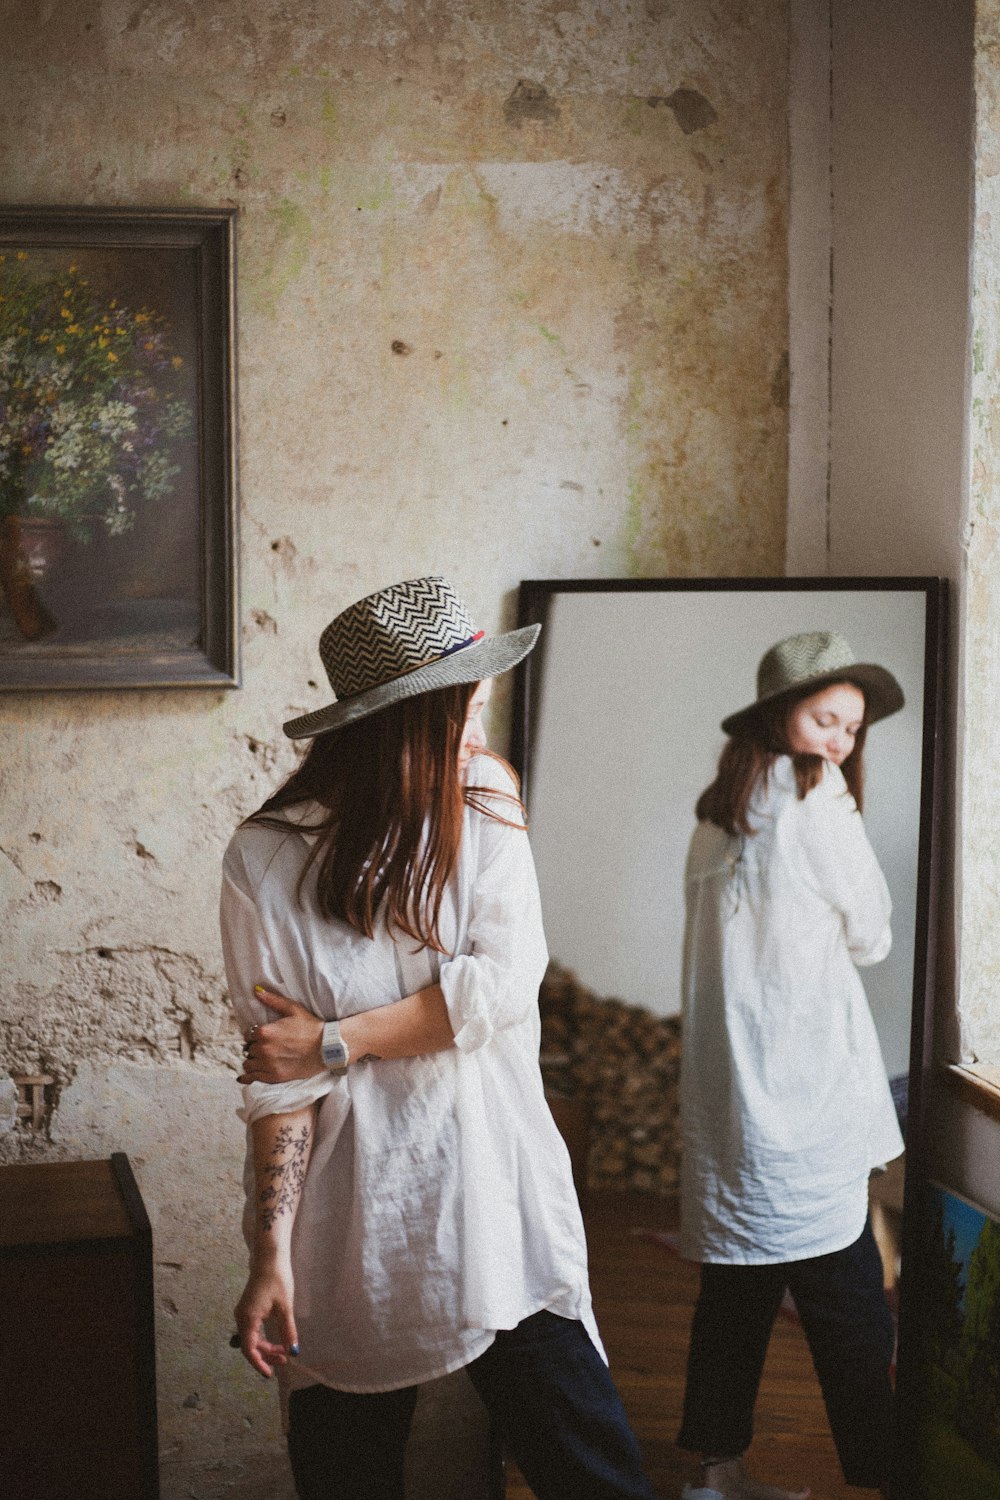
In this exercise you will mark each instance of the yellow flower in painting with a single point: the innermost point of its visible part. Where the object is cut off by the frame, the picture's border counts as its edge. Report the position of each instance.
(22, 255)
(72, 270)
(74, 328)
(60, 348)
(141, 318)
(122, 332)
(112, 356)
(43, 338)
(103, 341)
(26, 449)
(149, 344)
(64, 312)
(176, 361)
(113, 302)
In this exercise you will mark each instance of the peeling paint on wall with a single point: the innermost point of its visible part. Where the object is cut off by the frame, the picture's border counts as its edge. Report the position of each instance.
(690, 109)
(511, 304)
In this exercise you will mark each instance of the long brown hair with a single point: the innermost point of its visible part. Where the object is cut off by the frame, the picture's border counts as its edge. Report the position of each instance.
(394, 800)
(749, 754)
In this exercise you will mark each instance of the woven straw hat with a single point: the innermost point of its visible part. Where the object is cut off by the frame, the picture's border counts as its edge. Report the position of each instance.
(810, 660)
(407, 639)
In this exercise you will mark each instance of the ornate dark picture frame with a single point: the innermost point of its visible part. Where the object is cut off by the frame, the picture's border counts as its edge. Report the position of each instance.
(118, 492)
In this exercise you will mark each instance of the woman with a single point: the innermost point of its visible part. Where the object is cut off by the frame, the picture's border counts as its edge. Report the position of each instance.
(410, 1208)
(785, 1104)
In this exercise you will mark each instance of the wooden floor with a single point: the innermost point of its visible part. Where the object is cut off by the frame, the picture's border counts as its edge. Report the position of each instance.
(644, 1298)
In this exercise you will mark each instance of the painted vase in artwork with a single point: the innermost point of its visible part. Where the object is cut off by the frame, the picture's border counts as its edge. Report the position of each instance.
(27, 551)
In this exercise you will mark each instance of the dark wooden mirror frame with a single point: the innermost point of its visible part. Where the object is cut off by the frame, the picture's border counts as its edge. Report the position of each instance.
(534, 599)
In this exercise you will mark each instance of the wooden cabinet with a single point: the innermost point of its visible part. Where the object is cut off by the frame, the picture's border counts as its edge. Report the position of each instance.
(77, 1363)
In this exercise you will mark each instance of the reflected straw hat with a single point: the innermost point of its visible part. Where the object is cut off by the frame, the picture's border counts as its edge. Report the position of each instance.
(810, 660)
(406, 639)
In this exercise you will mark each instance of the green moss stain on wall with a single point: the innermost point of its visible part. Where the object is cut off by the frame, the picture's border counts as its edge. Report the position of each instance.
(635, 517)
(289, 239)
(711, 469)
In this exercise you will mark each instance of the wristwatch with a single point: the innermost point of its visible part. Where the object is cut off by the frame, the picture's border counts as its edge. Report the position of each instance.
(334, 1049)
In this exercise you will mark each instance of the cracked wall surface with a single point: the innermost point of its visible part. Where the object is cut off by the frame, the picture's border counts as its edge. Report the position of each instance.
(511, 304)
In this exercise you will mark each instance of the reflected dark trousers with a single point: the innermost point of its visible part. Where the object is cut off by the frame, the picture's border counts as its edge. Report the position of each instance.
(841, 1303)
(547, 1390)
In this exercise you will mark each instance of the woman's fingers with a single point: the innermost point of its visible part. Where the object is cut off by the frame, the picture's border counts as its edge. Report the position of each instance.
(258, 1349)
(262, 1354)
(274, 1001)
(287, 1048)
(289, 1336)
(263, 1066)
(256, 1346)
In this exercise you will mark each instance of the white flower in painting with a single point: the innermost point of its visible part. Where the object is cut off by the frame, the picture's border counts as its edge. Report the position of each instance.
(115, 419)
(68, 448)
(157, 476)
(120, 518)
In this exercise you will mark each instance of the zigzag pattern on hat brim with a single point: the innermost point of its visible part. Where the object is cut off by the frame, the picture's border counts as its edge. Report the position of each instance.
(795, 660)
(883, 694)
(488, 658)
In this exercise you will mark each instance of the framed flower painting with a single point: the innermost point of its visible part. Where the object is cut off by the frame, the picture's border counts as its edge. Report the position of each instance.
(117, 449)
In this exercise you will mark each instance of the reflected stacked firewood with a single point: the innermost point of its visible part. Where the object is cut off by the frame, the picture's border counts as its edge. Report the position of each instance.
(623, 1064)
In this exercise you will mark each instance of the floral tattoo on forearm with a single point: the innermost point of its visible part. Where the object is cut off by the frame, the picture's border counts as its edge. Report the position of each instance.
(285, 1172)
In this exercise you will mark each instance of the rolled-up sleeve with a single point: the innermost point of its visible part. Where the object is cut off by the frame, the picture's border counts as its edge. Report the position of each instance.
(495, 984)
(842, 866)
(250, 961)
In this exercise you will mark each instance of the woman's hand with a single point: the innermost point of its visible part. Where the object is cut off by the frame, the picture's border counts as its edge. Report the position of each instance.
(268, 1294)
(278, 1051)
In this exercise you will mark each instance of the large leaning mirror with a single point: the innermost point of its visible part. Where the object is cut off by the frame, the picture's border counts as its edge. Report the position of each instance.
(617, 731)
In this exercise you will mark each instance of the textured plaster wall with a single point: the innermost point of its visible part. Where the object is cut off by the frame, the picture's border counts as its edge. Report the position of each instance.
(979, 746)
(511, 303)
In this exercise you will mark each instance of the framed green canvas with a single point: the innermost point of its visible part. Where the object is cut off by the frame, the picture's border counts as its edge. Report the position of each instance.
(958, 1349)
(118, 521)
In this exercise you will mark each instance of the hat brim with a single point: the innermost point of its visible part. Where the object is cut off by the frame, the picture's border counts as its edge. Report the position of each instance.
(883, 694)
(487, 658)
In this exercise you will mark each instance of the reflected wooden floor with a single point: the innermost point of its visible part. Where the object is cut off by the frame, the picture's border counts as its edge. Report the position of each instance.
(644, 1299)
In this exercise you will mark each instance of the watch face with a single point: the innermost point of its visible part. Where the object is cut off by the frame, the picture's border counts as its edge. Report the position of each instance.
(335, 1055)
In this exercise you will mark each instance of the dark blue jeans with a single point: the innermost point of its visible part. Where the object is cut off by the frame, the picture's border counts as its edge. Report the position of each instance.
(548, 1393)
(841, 1303)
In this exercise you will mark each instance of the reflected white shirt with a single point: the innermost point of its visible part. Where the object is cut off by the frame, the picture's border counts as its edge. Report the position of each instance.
(439, 1204)
(785, 1104)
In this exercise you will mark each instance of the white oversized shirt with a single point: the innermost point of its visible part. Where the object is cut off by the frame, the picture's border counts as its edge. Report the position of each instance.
(439, 1205)
(785, 1104)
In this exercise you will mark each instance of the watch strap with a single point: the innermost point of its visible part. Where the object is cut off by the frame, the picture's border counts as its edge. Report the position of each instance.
(334, 1049)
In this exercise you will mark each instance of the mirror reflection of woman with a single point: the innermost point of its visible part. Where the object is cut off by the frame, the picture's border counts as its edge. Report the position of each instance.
(785, 1104)
(410, 1205)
